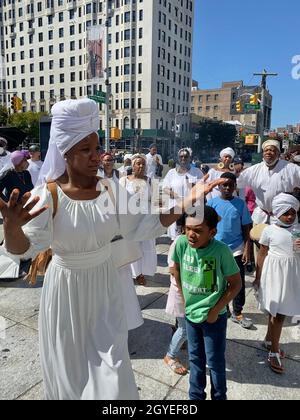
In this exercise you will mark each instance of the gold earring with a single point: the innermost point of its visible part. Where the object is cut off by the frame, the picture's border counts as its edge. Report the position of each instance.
(231, 166)
(221, 165)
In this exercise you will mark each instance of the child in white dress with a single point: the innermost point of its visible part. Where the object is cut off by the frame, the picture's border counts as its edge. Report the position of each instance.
(278, 273)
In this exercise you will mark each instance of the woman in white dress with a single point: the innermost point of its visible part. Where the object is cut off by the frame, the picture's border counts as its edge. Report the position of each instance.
(131, 304)
(278, 273)
(139, 185)
(179, 181)
(225, 165)
(82, 324)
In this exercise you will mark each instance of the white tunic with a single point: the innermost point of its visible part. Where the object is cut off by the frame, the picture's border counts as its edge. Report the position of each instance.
(141, 189)
(152, 165)
(279, 291)
(82, 323)
(266, 184)
(34, 169)
(180, 185)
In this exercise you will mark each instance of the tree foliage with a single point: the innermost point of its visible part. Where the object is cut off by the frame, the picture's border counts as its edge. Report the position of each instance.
(3, 115)
(213, 136)
(29, 122)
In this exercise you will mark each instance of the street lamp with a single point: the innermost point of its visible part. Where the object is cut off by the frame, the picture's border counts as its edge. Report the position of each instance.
(177, 129)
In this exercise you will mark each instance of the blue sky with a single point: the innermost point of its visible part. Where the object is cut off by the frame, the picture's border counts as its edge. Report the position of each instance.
(234, 39)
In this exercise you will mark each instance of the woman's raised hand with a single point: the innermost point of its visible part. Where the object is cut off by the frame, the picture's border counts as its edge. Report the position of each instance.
(202, 187)
(16, 212)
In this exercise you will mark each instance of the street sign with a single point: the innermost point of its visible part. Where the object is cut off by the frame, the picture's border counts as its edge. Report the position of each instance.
(285, 144)
(254, 107)
(100, 94)
(98, 99)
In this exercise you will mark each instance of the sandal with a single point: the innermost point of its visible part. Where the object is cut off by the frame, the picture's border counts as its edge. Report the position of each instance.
(141, 280)
(267, 345)
(275, 362)
(175, 365)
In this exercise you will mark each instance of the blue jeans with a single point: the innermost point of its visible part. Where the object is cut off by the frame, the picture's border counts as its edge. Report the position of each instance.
(178, 338)
(206, 345)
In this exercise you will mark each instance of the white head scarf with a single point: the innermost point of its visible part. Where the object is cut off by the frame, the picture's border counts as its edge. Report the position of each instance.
(283, 203)
(274, 143)
(228, 151)
(127, 156)
(72, 121)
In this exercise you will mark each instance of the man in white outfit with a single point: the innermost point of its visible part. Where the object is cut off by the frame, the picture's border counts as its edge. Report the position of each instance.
(35, 162)
(154, 163)
(268, 179)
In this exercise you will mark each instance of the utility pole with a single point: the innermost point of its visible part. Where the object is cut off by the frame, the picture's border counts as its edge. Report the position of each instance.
(107, 130)
(264, 76)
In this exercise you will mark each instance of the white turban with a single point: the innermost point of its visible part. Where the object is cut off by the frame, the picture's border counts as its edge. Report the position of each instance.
(127, 156)
(283, 203)
(72, 121)
(228, 151)
(274, 143)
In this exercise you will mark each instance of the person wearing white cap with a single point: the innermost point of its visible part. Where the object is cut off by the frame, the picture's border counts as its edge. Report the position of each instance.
(82, 323)
(278, 273)
(126, 168)
(225, 165)
(269, 178)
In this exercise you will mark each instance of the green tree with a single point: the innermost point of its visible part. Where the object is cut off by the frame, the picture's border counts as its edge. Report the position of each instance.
(29, 122)
(213, 136)
(3, 115)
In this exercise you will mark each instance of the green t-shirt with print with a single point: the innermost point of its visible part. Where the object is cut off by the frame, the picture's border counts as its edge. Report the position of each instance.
(203, 273)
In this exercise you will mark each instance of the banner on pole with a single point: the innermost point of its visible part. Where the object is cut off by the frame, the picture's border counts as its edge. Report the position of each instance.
(95, 46)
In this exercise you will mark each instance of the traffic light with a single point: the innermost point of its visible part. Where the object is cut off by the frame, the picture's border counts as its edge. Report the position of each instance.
(13, 103)
(115, 133)
(238, 106)
(254, 99)
(19, 103)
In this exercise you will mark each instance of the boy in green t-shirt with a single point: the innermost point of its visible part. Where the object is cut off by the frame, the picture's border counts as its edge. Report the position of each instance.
(209, 279)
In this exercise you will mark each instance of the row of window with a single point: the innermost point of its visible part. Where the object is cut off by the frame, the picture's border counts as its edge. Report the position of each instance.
(162, 37)
(188, 5)
(207, 108)
(161, 53)
(166, 90)
(41, 67)
(208, 97)
(162, 71)
(162, 18)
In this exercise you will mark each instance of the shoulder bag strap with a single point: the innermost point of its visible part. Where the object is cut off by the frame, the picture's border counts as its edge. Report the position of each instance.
(52, 187)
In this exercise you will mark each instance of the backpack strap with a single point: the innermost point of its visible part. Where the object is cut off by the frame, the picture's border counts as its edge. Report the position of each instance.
(52, 187)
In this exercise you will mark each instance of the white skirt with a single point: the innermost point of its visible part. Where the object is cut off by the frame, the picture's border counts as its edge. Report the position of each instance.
(131, 304)
(83, 335)
(279, 291)
(148, 263)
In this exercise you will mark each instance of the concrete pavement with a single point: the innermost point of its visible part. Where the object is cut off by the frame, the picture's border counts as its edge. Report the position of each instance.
(249, 377)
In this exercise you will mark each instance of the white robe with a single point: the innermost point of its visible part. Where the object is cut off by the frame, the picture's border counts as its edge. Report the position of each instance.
(82, 323)
(266, 184)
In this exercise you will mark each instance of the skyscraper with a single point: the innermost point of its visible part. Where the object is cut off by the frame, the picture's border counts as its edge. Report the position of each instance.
(43, 45)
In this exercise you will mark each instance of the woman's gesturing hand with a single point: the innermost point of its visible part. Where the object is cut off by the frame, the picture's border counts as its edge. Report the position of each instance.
(202, 187)
(16, 212)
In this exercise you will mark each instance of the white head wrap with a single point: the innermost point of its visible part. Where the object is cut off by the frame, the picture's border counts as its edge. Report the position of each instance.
(283, 203)
(228, 151)
(127, 156)
(72, 121)
(274, 143)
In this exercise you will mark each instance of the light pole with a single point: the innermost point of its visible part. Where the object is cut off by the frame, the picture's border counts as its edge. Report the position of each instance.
(264, 76)
(179, 114)
(107, 131)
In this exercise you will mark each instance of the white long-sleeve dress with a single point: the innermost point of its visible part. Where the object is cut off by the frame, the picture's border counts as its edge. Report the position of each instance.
(82, 324)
